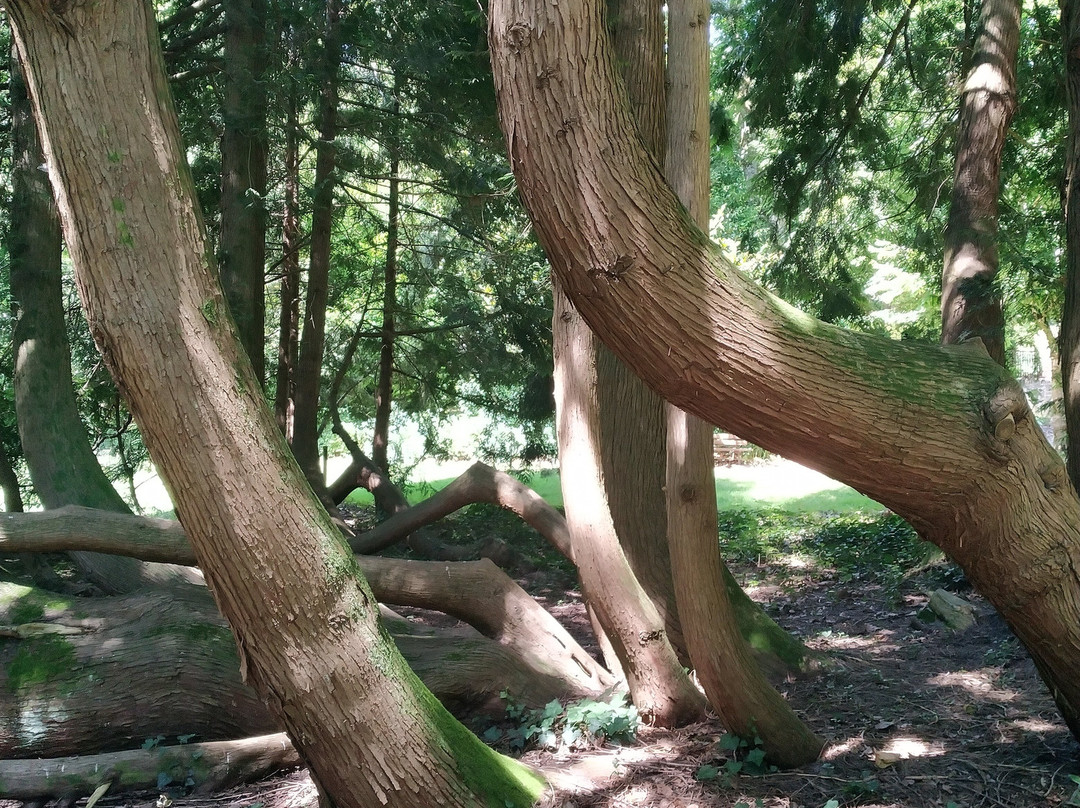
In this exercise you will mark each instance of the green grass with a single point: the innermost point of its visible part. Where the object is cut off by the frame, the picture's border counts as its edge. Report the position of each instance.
(783, 487)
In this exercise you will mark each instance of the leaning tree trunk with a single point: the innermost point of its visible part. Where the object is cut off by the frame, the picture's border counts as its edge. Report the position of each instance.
(242, 247)
(62, 465)
(941, 435)
(1070, 318)
(305, 622)
(970, 302)
(737, 689)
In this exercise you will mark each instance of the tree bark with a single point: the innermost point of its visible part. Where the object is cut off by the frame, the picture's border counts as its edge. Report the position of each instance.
(970, 301)
(95, 674)
(734, 684)
(659, 687)
(213, 767)
(242, 246)
(611, 452)
(632, 417)
(313, 338)
(305, 622)
(62, 465)
(289, 316)
(384, 388)
(9, 484)
(1069, 340)
(941, 435)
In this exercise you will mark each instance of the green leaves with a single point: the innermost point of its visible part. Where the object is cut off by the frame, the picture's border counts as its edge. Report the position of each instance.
(578, 725)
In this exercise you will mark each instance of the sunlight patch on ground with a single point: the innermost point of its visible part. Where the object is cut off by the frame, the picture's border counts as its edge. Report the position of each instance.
(977, 683)
(905, 746)
(1039, 725)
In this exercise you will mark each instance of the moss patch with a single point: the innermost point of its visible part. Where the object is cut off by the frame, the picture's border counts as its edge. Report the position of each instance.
(40, 660)
(498, 781)
(24, 604)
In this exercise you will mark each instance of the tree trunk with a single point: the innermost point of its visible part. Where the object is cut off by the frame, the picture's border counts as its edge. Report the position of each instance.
(1069, 340)
(659, 686)
(305, 622)
(9, 484)
(289, 319)
(98, 674)
(941, 435)
(62, 465)
(384, 388)
(242, 247)
(970, 301)
(610, 434)
(736, 687)
(632, 433)
(313, 339)
(213, 767)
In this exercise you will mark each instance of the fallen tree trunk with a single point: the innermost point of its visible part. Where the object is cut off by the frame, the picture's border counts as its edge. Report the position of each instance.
(477, 592)
(203, 767)
(91, 674)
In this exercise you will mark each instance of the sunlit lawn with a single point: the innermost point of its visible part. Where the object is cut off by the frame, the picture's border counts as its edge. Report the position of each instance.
(773, 484)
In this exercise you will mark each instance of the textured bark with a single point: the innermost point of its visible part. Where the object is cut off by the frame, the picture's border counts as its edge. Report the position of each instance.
(308, 381)
(305, 622)
(213, 767)
(1070, 318)
(95, 674)
(90, 674)
(970, 302)
(734, 684)
(632, 429)
(242, 246)
(289, 312)
(660, 688)
(62, 465)
(941, 435)
(476, 592)
(611, 452)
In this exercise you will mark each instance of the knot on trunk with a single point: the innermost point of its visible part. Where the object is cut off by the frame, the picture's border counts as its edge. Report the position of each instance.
(1004, 409)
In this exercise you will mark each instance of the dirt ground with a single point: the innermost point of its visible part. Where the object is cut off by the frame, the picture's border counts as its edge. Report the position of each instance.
(915, 714)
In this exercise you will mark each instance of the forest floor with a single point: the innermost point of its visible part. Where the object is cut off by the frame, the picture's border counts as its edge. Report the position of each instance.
(915, 715)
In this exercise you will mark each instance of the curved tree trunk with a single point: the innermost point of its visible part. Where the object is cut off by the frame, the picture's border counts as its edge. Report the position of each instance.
(305, 622)
(62, 465)
(941, 435)
(970, 303)
(737, 689)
